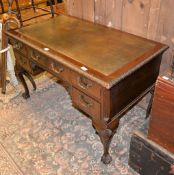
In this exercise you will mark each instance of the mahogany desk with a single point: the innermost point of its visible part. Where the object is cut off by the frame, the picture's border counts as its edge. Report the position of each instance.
(108, 70)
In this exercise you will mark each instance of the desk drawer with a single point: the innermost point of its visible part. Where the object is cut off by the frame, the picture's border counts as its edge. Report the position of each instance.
(22, 61)
(27, 64)
(85, 103)
(49, 64)
(86, 85)
(18, 46)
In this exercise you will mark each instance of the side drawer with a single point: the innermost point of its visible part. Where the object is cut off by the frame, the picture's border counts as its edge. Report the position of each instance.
(27, 64)
(19, 46)
(22, 61)
(49, 64)
(85, 103)
(86, 85)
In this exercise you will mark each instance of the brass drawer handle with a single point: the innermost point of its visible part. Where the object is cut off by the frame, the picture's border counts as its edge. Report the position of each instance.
(56, 68)
(17, 46)
(84, 102)
(34, 56)
(59, 70)
(82, 83)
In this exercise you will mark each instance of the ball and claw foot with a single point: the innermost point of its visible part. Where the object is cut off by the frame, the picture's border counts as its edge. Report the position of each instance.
(106, 159)
(25, 95)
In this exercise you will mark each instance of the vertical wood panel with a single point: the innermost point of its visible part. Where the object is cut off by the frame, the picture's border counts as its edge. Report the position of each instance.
(113, 13)
(165, 32)
(109, 13)
(81, 9)
(88, 10)
(153, 19)
(100, 11)
(74, 8)
(135, 16)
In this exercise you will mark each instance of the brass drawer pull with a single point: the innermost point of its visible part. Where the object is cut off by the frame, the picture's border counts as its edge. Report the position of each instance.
(34, 56)
(82, 83)
(84, 102)
(17, 46)
(59, 70)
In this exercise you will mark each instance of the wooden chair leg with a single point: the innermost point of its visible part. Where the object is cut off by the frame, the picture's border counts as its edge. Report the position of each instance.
(51, 7)
(33, 5)
(18, 12)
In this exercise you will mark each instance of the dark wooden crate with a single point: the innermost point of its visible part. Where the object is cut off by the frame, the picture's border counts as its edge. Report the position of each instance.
(148, 158)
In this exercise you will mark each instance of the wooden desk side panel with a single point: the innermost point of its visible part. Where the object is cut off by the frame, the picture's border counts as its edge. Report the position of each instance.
(162, 116)
(131, 88)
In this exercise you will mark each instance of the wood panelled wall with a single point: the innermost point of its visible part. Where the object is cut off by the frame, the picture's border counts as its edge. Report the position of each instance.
(153, 19)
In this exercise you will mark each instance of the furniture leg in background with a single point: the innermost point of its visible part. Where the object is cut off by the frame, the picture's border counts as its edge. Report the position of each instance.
(149, 107)
(3, 61)
(2, 6)
(20, 73)
(33, 5)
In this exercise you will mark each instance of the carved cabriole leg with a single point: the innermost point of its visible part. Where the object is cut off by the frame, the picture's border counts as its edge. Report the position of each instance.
(19, 73)
(30, 78)
(106, 138)
(150, 103)
(26, 94)
(106, 134)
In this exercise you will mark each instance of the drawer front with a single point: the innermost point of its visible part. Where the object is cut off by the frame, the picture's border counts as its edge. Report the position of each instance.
(27, 64)
(85, 103)
(22, 61)
(86, 85)
(49, 64)
(19, 46)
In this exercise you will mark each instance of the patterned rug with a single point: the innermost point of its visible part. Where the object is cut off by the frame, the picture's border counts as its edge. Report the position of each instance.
(45, 135)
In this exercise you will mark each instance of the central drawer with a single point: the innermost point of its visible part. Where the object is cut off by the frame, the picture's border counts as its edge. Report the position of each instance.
(85, 103)
(49, 64)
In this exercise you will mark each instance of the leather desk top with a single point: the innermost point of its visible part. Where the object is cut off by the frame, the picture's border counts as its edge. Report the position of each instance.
(108, 54)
